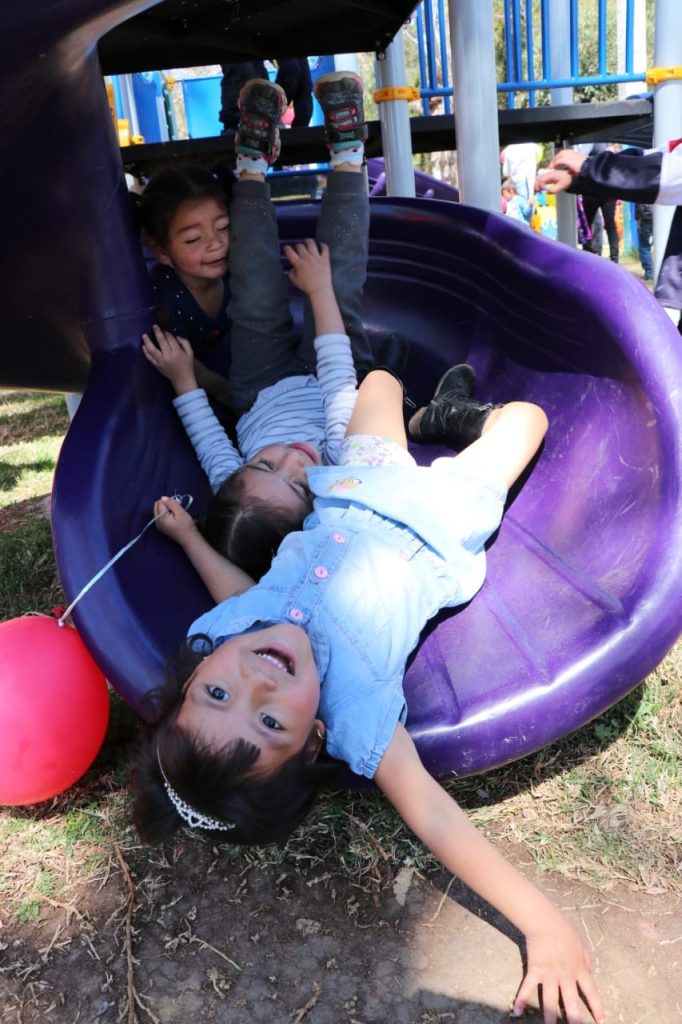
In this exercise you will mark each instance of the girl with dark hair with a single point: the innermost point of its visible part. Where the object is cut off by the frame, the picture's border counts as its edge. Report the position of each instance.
(185, 225)
(293, 396)
(315, 654)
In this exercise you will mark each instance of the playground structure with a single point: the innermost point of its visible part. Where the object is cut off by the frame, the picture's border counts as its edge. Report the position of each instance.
(583, 595)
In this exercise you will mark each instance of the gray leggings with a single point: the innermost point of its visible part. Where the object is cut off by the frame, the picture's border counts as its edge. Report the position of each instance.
(264, 346)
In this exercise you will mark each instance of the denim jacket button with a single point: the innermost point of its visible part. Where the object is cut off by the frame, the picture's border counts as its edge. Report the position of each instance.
(296, 614)
(339, 538)
(321, 572)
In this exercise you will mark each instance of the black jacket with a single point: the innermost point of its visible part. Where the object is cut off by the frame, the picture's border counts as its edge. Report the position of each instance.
(654, 176)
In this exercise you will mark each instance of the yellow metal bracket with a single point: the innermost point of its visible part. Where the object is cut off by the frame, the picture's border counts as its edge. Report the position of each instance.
(655, 76)
(396, 92)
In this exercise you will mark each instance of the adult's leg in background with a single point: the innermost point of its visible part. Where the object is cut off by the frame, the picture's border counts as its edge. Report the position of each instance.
(591, 208)
(608, 209)
(294, 77)
(234, 77)
(645, 258)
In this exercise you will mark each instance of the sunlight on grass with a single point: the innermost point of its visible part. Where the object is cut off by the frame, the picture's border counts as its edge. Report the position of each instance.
(26, 470)
(32, 428)
(605, 804)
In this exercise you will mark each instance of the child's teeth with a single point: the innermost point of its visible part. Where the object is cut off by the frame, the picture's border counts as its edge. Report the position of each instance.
(277, 662)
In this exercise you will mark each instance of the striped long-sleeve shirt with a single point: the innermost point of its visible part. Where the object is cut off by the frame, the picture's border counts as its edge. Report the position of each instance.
(314, 409)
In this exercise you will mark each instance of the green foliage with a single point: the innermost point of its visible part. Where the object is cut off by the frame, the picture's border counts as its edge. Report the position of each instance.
(82, 826)
(27, 911)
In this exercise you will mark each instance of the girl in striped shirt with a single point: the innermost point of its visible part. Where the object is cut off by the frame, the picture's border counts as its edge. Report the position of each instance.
(293, 396)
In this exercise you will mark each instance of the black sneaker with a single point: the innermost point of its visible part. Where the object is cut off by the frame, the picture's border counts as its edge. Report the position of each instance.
(451, 415)
(261, 106)
(340, 96)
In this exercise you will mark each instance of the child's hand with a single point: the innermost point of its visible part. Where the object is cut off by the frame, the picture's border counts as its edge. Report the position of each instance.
(174, 521)
(172, 357)
(310, 266)
(559, 962)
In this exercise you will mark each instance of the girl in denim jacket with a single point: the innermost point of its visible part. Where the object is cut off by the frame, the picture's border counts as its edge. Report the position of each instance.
(314, 654)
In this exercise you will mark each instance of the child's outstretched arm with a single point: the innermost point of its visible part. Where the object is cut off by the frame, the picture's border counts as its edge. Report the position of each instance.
(172, 356)
(557, 959)
(511, 436)
(221, 578)
(311, 272)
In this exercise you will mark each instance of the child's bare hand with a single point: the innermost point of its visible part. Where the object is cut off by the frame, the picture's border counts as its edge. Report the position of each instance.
(559, 962)
(174, 521)
(173, 357)
(311, 269)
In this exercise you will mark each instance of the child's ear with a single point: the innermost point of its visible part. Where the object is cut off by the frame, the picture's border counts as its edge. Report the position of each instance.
(157, 251)
(315, 742)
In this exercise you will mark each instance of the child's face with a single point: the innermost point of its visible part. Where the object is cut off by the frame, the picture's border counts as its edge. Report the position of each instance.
(276, 475)
(261, 687)
(198, 240)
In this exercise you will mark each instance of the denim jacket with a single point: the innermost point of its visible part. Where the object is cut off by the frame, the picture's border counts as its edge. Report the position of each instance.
(383, 550)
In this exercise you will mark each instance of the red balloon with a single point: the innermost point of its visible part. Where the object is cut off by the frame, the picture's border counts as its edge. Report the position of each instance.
(54, 709)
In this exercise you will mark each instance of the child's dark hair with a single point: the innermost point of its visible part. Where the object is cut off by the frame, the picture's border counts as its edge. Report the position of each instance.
(220, 784)
(174, 185)
(248, 533)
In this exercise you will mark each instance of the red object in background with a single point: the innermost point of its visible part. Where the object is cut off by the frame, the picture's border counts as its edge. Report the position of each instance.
(54, 709)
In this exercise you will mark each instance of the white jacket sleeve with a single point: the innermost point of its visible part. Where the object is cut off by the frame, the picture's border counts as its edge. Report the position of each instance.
(218, 456)
(339, 386)
(670, 191)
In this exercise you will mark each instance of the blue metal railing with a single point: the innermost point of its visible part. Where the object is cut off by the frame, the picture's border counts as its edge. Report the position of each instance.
(522, 25)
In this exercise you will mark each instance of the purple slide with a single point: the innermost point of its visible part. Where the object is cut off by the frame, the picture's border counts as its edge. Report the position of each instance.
(426, 186)
(584, 590)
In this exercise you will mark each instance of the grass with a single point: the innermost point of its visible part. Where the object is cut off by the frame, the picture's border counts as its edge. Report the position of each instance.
(31, 431)
(602, 806)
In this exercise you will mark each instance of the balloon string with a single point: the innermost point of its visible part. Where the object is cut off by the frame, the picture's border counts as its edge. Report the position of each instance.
(181, 498)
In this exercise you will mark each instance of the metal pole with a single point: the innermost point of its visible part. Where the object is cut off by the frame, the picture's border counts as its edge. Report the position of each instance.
(346, 62)
(667, 105)
(560, 61)
(395, 121)
(638, 44)
(128, 101)
(476, 117)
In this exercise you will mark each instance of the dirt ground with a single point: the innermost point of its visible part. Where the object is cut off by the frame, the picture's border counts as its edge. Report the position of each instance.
(217, 937)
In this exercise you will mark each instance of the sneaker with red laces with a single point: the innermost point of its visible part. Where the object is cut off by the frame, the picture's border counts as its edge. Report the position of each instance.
(261, 106)
(340, 96)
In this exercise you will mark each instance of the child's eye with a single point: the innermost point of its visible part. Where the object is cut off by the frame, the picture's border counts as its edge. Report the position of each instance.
(223, 227)
(217, 693)
(191, 241)
(303, 490)
(266, 464)
(269, 722)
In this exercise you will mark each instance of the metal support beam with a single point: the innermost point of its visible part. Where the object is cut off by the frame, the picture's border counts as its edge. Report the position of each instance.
(395, 121)
(560, 63)
(667, 104)
(474, 79)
